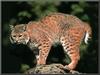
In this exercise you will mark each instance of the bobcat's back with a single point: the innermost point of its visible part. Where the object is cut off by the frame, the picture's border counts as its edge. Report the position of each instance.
(55, 25)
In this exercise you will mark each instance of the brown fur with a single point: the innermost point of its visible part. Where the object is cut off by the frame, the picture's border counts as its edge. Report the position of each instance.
(66, 29)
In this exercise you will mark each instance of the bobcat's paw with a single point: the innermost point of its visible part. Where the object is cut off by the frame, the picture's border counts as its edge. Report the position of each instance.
(70, 70)
(67, 68)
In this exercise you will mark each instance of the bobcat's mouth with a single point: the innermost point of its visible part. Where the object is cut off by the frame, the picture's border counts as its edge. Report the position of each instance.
(16, 42)
(19, 42)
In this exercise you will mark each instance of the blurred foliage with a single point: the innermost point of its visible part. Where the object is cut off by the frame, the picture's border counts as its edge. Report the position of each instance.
(24, 67)
(78, 9)
(23, 12)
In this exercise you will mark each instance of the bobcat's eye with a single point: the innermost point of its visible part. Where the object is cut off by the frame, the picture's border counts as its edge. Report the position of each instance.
(14, 35)
(20, 35)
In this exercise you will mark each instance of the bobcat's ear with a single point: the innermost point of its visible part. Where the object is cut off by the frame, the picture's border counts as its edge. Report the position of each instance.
(11, 27)
(24, 27)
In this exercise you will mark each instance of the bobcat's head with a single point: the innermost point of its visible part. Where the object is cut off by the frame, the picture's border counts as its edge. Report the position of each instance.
(19, 35)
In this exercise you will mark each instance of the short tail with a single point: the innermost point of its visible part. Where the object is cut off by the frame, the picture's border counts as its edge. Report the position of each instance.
(88, 33)
(86, 38)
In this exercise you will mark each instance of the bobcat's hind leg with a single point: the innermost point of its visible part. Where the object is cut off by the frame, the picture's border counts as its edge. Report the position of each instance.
(72, 50)
(44, 49)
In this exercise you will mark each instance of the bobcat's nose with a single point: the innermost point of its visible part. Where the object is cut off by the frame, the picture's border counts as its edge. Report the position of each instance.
(17, 41)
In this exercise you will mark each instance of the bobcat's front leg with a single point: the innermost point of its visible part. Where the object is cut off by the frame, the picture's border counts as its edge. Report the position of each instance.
(44, 49)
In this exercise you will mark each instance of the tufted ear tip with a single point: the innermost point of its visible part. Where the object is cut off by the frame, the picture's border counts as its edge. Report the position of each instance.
(11, 27)
(24, 27)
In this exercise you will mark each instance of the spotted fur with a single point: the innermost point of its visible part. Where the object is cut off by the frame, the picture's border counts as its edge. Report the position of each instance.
(66, 29)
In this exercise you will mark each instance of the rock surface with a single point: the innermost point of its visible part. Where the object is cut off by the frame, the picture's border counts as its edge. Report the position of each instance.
(50, 69)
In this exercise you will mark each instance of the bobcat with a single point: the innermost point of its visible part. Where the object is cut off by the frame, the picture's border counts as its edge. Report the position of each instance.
(54, 28)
